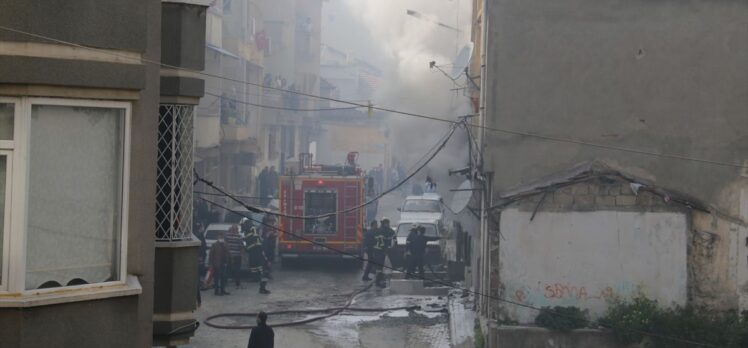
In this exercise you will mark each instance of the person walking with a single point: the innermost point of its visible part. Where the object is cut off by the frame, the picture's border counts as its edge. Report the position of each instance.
(262, 336)
(263, 189)
(201, 255)
(219, 260)
(236, 246)
(385, 239)
(369, 242)
(416, 246)
(256, 259)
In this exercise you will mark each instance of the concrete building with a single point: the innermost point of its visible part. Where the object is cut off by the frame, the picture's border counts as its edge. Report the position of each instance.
(292, 29)
(228, 118)
(644, 87)
(346, 77)
(95, 167)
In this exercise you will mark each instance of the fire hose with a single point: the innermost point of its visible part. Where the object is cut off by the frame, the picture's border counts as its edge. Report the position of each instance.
(331, 312)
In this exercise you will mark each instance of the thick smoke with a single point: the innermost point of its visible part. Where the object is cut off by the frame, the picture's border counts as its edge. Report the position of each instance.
(407, 44)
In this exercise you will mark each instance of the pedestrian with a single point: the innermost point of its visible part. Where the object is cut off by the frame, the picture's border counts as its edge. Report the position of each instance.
(235, 245)
(430, 185)
(256, 259)
(273, 180)
(384, 240)
(416, 248)
(262, 181)
(369, 243)
(262, 336)
(219, 260)
(201, 253)
(378, 174)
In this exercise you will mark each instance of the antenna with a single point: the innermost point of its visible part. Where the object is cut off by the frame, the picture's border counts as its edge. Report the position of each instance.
(462, 197)
(462, 60)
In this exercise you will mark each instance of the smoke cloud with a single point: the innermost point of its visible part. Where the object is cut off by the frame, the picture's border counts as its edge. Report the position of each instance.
(402, 46)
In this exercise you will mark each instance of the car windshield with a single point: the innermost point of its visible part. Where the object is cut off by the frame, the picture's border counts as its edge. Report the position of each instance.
(422, 205)
(404, 229)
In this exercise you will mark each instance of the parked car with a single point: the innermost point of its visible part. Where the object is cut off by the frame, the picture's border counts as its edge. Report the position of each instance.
(433, 249)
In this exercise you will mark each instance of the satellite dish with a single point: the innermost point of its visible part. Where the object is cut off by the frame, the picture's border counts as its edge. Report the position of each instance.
(462, 197)
(462, 60)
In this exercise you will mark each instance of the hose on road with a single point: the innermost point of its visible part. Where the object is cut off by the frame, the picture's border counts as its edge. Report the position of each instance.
(331, 312)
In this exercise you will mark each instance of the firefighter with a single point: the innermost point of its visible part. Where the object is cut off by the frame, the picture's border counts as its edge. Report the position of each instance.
(369, 243)
(416, 249)
(256, 259)
(384, 240)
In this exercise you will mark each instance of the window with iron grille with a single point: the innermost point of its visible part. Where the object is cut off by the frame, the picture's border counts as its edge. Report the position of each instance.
(174, 176)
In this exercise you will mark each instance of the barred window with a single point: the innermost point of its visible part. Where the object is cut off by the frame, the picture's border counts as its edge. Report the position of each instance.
(174, 176)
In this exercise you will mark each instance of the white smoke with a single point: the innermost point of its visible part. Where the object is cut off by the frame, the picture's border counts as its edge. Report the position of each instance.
(408, 44)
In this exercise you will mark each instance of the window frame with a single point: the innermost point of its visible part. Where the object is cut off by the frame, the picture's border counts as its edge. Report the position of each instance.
(5, 268)
(17, 233)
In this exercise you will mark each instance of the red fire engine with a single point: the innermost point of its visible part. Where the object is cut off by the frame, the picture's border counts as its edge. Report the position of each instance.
(318, 190)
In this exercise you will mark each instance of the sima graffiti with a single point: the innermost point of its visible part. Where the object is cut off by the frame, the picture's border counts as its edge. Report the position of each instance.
(563, 291)
(560, 291)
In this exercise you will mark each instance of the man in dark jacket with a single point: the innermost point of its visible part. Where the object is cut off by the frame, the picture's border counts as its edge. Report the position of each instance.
(384, 240)
(219, 261)
(262, 336)
(415, 249)
(369, 243)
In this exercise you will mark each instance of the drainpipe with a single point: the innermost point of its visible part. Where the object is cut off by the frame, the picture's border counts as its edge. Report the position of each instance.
(485, 193)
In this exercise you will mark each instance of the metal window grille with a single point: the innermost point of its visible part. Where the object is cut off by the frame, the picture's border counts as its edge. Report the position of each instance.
(175, 175)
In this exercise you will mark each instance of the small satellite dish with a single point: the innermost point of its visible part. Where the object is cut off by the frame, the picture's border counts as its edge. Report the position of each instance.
(462, 197)
(462, 60)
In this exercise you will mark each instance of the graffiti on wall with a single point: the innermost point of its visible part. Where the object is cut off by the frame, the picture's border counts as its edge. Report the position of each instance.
(551, 291)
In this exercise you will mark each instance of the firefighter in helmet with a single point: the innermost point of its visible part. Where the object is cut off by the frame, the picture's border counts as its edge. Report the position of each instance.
(384, 239)
(256, 259)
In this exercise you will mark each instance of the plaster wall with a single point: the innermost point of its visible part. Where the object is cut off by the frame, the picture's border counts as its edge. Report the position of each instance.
(584, 258)
(655, 75)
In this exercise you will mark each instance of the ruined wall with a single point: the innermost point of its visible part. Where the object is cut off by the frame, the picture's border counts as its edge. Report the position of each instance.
(587, 243)
(585, 258)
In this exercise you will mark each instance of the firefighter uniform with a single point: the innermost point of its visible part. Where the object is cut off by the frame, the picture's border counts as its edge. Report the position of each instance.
(384, 239)
(256, 259)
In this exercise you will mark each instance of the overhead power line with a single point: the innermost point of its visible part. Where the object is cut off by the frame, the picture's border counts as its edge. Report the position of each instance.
(448, 284)
(440, 146)
(280, 107)
(394, 111)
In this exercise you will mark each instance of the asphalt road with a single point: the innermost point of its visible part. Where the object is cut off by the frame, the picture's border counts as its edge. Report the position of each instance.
(318, 285)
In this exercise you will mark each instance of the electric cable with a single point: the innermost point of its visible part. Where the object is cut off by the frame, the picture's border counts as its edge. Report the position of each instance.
(358, 207)
(452, 286)
(281, 107)
(390, 110)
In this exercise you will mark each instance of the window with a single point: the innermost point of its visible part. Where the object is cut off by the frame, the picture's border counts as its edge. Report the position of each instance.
(320, 203)
(69, 223)
(422, 205)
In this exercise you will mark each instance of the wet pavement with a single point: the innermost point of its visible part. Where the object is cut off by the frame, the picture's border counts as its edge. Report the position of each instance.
(322, 284)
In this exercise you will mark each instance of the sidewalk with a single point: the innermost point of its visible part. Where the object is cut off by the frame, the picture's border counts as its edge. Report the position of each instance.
(461, 320)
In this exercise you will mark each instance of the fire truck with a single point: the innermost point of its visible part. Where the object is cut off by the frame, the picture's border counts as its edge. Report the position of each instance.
(316, 190)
